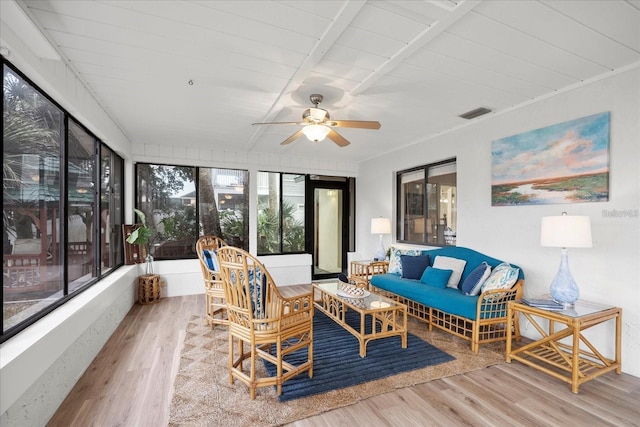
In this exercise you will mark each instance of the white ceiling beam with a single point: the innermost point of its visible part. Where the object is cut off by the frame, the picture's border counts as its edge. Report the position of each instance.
(343, 19)
(416, 44)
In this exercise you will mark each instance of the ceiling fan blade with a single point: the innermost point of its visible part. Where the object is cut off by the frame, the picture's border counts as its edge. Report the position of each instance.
(280, 123)
(362, 124)
(292, 138)
(337, 138)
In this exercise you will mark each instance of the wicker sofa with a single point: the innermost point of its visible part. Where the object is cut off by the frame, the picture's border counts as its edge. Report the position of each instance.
(478, 319)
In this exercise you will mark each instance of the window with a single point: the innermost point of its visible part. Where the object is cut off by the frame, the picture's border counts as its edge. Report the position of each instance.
(81, 196)
(52, 240)
(426, 205)
(178, 214)
(224, 205)
(111, 217)
(281, 213)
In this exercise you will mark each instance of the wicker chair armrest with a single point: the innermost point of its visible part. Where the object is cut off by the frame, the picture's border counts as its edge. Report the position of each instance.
(297, 303)
(359, 282)
(493, 303)
(296, 309)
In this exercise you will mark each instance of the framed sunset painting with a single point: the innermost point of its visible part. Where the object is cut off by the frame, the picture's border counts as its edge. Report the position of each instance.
(564, 163)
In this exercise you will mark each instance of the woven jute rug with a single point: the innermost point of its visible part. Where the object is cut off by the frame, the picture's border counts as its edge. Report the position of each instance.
(204, 397)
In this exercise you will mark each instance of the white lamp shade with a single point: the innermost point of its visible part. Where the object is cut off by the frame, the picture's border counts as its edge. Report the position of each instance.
(380, 226)
(316, 133)
(566, 231)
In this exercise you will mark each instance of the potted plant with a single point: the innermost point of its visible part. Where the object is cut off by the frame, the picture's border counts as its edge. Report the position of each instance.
(142, 236)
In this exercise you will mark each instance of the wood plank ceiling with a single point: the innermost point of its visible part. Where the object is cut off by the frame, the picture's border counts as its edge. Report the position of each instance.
(412, 65)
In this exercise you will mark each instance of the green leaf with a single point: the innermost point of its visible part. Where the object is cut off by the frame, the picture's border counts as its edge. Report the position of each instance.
(142, 216)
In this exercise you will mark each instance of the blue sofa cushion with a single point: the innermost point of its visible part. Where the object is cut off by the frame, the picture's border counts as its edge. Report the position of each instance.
(414, 265)
(473, 283)
(447, 299)
(436, 277)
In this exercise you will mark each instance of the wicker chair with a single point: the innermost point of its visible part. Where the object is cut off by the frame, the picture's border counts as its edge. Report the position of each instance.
(271, 325)
(216, 306)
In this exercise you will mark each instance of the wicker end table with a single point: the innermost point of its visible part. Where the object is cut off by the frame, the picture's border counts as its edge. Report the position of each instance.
(149, 289)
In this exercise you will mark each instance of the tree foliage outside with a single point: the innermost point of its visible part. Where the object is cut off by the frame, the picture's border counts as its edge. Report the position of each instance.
(293, 237)
(163, 195)
(167, 219)
(31, 130)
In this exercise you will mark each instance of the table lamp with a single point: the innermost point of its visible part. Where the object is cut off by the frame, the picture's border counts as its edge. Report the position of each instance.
(565, 231)
(380, 226)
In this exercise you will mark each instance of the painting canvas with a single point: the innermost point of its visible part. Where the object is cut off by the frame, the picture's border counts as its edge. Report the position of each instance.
(564, 163)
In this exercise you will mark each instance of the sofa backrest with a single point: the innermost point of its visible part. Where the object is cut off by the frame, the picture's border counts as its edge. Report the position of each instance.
(473, 258)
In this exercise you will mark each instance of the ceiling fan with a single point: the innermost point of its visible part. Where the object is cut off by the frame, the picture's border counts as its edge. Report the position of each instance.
(318, 124)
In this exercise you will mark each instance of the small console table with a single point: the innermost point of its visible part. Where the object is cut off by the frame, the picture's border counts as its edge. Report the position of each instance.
(568, 363)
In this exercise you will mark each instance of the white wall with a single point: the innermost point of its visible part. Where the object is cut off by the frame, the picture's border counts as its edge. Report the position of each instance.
(184, 277)
(40, 365)
(608, 273)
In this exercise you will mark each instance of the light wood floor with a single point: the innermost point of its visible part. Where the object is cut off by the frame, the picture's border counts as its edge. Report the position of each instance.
(130, 383)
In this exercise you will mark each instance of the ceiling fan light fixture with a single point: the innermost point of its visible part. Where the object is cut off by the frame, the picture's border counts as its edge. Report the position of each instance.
(316, 133)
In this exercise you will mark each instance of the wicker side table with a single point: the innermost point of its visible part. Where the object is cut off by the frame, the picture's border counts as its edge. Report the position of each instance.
(149, 289)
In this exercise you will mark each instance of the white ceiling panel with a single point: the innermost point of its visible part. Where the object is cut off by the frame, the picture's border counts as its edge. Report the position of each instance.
(347, 55)
(341, 71)
(458, 90)
(423, 11)
(289, 17)
(561, 31)
(472, 73)
(328, 9)
(221, 23)
(616, 20)
(488, 57)
(370, 42)
(388, 24)
(509, 40)
(397, 62)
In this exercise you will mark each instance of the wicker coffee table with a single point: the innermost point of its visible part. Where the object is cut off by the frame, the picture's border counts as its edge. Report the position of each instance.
(383, 316)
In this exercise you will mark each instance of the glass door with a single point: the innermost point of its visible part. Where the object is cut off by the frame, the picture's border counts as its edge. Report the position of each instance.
(329, 241)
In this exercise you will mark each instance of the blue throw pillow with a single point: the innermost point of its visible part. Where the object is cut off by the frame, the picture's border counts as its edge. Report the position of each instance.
(413, 266)
(211, 259)
(473, 283)
(436, 277)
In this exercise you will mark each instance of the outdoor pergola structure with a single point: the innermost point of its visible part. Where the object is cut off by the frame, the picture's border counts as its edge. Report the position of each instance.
(33, 264)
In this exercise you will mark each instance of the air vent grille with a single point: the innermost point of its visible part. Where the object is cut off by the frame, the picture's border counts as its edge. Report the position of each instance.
(475, 113)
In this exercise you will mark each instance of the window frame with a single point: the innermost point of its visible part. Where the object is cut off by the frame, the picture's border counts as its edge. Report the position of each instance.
(282, 196)
(444, 235)
(59, 239)
(185, 248)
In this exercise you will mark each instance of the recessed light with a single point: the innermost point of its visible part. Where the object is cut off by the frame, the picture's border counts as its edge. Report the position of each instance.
(190, 82)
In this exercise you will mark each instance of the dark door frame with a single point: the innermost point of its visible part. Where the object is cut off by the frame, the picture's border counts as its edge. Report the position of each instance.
(329, 183)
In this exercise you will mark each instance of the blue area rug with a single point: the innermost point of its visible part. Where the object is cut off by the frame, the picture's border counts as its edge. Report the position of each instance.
(337, 362)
